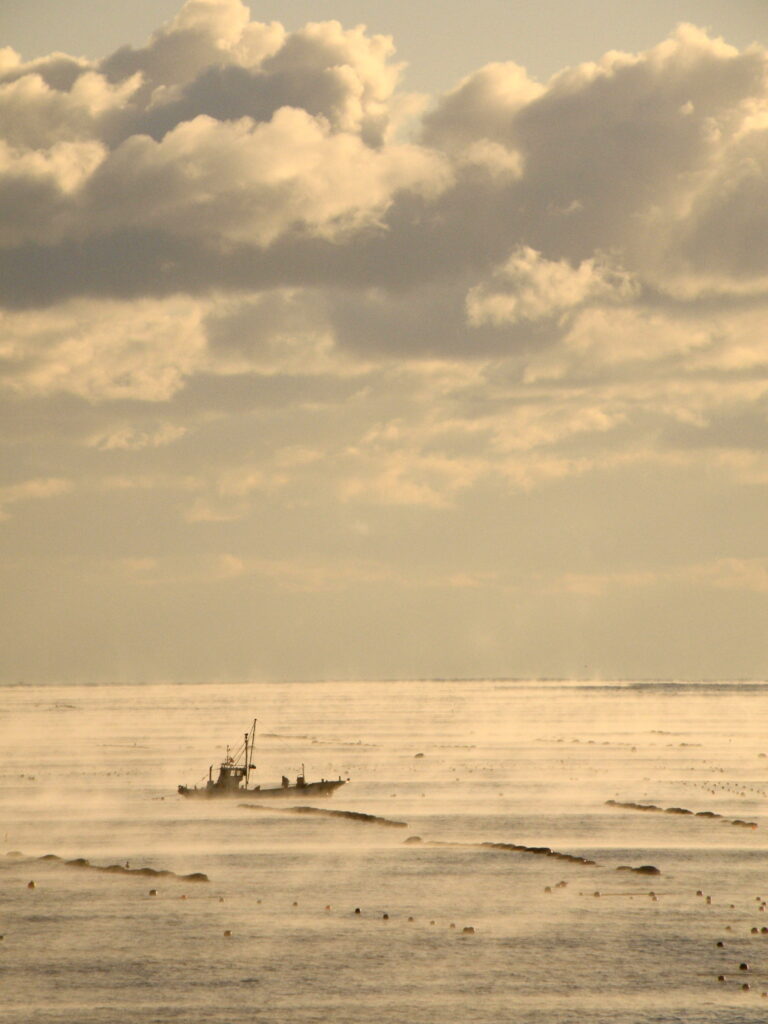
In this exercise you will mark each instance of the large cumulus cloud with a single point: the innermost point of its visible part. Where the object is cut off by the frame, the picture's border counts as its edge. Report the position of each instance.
(581, 262)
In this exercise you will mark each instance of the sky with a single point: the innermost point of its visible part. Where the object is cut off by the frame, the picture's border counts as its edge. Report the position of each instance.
(378, 341)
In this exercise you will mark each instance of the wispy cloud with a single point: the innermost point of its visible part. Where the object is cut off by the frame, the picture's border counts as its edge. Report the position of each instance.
(31, 490)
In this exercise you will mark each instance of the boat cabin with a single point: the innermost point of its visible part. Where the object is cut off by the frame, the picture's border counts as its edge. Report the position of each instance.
(230, 776)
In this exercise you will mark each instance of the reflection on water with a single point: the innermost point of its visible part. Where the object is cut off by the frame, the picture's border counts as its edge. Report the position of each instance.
(273, 936)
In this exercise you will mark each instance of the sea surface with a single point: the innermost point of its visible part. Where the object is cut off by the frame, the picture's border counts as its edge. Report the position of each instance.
(273, 936)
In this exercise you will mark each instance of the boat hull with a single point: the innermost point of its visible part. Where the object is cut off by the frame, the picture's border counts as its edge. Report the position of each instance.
(324, 788)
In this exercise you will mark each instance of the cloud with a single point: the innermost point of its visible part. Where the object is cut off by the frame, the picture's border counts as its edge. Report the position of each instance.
(132, 438)
(31, 490)
(233, 220)
(102, 351)
(528, 287)
(748, 575)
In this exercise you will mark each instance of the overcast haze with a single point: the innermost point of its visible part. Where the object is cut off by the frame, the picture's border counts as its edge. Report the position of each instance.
(315, 365)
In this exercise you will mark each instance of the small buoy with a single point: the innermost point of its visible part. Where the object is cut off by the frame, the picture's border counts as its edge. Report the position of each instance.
(30, 885)
(295, 903)
(221, 899)
(183, 896)
(743, 967)
(721, 977)
(753, 931)
(153, 892)
(227, 933)
(357, 910)
(452, 925)
(709, 899)
(745, 987)
(547, 889)
(595, 893)
(699, 892)
(410, 918)
(721, 945)
(431, 922)
(385, 917)
(469, 930)
(327, 906)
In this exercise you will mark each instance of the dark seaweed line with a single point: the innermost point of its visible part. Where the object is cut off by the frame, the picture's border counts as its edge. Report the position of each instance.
(653, 809)
(113, 869)
(540, 851)
(325, 812)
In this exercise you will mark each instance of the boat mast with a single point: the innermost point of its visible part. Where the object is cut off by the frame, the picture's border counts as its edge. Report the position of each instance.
(248, 756)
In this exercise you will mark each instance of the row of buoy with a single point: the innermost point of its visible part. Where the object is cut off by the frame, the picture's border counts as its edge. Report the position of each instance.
(746, 987)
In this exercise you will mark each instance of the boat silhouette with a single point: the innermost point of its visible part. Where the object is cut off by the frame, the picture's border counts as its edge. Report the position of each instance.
(234, 779)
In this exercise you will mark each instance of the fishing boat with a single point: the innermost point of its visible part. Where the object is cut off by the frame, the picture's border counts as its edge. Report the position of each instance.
(234, 779)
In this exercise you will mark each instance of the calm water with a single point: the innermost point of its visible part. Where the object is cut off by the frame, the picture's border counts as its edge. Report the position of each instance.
(92, 772)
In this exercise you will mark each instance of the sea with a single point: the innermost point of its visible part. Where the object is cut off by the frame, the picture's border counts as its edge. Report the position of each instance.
(483, 875)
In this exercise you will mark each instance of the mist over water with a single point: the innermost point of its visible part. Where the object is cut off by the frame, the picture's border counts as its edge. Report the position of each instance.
(91, 772)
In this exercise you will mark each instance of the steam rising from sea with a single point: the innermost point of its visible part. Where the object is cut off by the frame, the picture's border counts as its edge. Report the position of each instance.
(91, 772)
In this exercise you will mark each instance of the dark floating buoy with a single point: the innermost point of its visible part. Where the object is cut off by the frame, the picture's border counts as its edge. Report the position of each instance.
(743, 967)
(721, 945)
(221, 899)
(745, 987)
(295, 903)
(328, 906)
(385, 917)
(596, 893)
(357, 910)
(709, 899)
(431, 922)
(721, 977)
(753, 931)
(30, 885)
(469, 930)
(410, 919)
(227, 933)
(699, 892)
(547, 888)
(153, 892)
